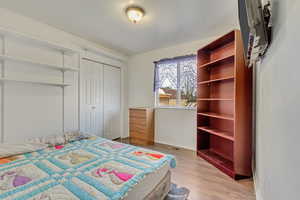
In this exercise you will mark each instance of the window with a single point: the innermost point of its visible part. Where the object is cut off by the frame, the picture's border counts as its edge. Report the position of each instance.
(175, 82)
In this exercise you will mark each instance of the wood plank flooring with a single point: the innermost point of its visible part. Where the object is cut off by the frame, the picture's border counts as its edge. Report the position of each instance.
(205, 181)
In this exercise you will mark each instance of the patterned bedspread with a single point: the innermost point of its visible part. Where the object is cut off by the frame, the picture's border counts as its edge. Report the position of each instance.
(86, 169)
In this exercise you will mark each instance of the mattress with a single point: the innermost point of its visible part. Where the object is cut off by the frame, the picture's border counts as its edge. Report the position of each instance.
(148, 184)
(87, 169)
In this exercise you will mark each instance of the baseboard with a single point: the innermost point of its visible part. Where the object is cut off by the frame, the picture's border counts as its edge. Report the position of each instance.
(171, 145)
(258, 193)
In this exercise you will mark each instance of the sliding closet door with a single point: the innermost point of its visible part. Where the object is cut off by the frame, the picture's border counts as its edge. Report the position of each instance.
(112, 102)
(91, 98)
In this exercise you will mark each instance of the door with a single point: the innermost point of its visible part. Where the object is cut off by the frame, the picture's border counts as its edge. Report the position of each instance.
(112, 102)
(91, 98)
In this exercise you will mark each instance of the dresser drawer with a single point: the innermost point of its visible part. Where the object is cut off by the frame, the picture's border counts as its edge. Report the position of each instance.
(138, 135)
(137, 127)
(137, 121)
(137, 141)
(138, 113)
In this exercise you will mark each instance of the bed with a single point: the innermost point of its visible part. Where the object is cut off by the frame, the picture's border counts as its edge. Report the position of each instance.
(89, 169)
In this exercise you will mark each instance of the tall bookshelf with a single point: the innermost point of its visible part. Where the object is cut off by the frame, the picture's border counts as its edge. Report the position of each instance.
(224, 106)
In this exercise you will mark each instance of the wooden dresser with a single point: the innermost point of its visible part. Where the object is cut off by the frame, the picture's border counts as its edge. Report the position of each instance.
(141, 126)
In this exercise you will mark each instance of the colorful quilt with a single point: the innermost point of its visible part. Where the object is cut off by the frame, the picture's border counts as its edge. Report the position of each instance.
(86, 169)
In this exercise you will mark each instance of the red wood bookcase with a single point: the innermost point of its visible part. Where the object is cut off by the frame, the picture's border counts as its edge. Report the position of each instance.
(224, 106)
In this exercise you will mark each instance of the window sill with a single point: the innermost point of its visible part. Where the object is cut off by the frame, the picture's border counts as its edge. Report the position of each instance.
(175, 108)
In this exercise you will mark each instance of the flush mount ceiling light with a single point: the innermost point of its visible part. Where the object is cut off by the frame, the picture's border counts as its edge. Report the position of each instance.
(135, 13)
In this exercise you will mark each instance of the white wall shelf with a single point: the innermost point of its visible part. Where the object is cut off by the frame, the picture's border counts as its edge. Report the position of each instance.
(34, 82)
(31, 62)
(20, 36)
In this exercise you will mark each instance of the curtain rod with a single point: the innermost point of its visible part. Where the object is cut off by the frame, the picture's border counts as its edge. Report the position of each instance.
(174, 58)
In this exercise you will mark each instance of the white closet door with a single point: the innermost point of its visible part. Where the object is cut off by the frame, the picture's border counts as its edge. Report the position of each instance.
(91, 98)
(112, 102)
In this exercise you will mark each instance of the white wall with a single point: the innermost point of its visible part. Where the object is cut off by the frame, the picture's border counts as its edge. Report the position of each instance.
(172, 126)
(33, 110)
(278, 108)
(176, 127)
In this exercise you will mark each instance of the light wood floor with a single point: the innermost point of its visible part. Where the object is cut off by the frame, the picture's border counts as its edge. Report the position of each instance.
(204, 181)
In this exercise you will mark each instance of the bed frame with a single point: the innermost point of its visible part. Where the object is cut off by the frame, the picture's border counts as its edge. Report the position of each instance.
(161, 190)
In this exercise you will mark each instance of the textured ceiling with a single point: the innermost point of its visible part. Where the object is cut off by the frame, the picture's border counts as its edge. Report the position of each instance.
(167, 22)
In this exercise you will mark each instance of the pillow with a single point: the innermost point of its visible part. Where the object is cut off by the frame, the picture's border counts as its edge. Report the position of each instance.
(75, 136)
(7, 149)
(50, 141)
(71, 136)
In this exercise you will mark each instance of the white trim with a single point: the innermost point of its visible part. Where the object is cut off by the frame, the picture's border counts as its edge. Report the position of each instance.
(175, 107)
(95, 61)
(63, 93)
(258, 193)
(175, 146)
(256, 187)
(178, 91)
(104, 52)
(2, 89)
(79, 91)
(122, 104)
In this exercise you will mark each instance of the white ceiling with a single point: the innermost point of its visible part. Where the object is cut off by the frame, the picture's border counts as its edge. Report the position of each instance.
(167, 22)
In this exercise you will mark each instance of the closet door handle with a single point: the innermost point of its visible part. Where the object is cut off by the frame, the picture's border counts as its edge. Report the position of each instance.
(93, 107)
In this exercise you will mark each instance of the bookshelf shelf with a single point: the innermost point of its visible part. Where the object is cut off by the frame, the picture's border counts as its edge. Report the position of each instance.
(217, 80)
(218, 61)
(218, 161)
(217, 115)
(217, 132)
(214, 99)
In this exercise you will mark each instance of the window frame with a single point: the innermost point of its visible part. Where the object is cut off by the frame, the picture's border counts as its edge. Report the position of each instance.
(176, 60)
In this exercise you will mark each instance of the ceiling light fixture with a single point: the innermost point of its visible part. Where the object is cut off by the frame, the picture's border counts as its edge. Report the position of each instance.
(135, 13)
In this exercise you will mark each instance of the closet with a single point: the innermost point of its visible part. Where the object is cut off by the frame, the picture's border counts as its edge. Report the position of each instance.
(100, 99)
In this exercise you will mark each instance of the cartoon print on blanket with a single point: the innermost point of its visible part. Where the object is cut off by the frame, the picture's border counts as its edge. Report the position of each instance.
(153, 156)
(115, 176)
(15, 178)
(113, 145)
(76, 158)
